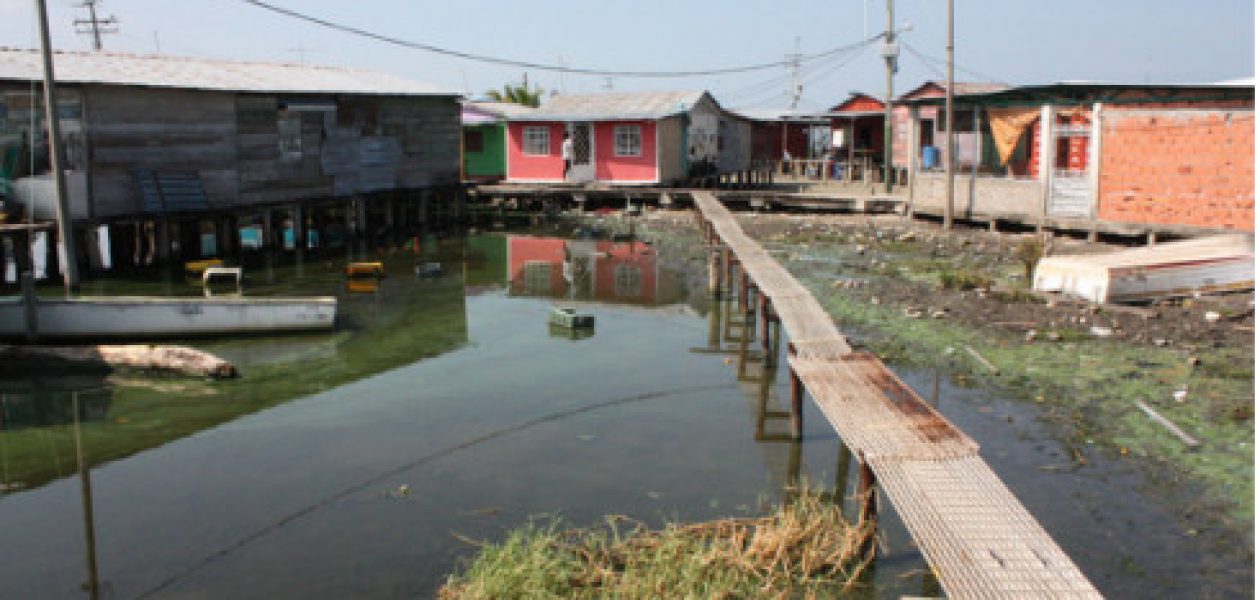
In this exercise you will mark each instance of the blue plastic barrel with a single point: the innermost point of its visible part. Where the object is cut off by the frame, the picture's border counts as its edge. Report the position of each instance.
(931, 157)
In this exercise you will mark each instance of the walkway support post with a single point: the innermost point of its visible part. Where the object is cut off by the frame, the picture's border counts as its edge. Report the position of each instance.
(866, 496)
(715, 275)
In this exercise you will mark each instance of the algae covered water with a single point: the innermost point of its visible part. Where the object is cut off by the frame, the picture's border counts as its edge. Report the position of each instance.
(444, 408)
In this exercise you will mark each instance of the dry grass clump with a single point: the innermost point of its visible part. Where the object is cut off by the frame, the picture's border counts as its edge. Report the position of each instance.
(805, 548)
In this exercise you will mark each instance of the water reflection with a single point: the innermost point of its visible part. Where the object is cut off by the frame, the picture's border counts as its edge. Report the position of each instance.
(619, 271)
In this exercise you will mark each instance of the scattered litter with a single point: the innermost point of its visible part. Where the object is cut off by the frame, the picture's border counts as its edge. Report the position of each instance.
(586, 437)
(875, 300)
(1180, 394)
(1211, 316)
(912, 312)
(1030, 335)
(1169, 425)
(402, 491)
(1099, 331)
(980, 359)
(939, 313)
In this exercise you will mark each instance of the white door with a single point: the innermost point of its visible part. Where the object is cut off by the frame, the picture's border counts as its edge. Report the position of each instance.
(583, 136)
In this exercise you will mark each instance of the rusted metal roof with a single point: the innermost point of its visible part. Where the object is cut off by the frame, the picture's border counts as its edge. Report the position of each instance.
(614, 106)
(145, 70)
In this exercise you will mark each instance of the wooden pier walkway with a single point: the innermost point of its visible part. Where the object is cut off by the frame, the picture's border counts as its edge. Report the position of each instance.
(979, 539)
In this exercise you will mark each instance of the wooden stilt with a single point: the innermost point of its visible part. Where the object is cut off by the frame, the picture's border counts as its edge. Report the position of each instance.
(798, 404)
(867, 500)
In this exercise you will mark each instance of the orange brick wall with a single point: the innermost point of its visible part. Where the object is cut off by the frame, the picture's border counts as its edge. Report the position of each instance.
(1178, 167)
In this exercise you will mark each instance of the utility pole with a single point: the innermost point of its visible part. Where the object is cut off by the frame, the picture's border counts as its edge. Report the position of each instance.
(949, 117)
(889, 52)
(65, 230)
(794, 62)
(94, 25)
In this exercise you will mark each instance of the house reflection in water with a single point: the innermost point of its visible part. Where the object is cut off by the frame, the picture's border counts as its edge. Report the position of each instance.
(623, 272)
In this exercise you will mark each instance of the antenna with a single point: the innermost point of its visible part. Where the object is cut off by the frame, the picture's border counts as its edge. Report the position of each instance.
(94, 25)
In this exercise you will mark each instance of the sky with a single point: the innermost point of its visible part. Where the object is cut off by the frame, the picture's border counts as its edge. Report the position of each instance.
(1011, 41)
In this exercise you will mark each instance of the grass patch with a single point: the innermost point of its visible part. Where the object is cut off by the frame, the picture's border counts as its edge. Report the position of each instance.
(1089, 385)
(804, 548)
(964, 279)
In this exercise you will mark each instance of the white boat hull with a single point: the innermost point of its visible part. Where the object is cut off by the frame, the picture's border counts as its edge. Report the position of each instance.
(141, 317)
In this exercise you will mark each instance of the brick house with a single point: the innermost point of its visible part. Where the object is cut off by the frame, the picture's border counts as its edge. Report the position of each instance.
(1179, 158)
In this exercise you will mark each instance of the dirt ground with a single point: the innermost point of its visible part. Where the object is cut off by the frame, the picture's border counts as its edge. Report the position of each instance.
(891, 244)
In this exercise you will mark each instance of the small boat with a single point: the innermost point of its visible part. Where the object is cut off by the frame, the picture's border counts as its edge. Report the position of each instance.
(145, 317)
(115, 317)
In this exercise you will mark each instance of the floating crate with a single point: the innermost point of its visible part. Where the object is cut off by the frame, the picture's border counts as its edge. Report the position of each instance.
(569, 317)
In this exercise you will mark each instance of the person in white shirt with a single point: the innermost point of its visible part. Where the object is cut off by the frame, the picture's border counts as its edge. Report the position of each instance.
(566, 152)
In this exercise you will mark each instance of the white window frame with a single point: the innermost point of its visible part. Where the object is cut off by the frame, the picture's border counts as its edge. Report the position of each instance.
(628, 140)
(533, 138)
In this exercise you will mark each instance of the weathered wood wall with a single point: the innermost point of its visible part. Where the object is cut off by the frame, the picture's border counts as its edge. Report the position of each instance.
(159, 130)
(235, 144)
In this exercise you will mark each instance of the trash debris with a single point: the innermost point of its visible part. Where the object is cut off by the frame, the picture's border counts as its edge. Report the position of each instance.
(1211, 316)
(569, 318)
(1099, 331)
(1180, 394)
(1169, 425)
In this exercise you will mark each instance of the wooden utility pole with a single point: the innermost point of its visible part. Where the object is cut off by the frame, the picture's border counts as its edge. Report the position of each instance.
(65, 228)
(890, 63)
(96, 26)
(949, 117)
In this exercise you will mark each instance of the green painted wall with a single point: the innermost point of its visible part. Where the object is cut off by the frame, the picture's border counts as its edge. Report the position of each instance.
(492, 160)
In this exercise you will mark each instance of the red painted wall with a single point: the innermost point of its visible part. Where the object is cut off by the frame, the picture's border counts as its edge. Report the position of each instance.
(610, 167)
(635, 255)
(522, 166)
(522, 249)
(1183, 168)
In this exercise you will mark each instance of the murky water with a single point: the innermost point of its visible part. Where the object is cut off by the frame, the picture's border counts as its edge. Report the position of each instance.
(343, 464)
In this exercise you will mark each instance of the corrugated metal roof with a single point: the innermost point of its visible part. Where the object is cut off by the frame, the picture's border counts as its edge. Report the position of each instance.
(614, 105)
(504, 109)
(208, 74)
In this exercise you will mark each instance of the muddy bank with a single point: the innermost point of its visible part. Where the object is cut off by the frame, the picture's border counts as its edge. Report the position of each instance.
(916, 295)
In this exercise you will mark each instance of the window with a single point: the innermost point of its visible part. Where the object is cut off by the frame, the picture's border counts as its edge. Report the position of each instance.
(537, 141)
(537, 277)
(474, 141)
(629, 139)
(628, 280)
(290, 129)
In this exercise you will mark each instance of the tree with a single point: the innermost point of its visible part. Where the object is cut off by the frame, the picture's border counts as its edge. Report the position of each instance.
(518, 94)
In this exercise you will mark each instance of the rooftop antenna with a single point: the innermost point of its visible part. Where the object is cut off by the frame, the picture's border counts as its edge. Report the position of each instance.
(94, 25)
(301, 51)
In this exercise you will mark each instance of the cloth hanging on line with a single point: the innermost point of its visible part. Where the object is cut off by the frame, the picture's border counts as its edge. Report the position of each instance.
(1008, 125)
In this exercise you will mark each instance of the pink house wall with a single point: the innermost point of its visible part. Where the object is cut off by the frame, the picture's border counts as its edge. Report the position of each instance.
(523, 166)
(610, 167)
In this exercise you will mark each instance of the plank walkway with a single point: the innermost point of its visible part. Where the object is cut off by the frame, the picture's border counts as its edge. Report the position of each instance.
(979, 539)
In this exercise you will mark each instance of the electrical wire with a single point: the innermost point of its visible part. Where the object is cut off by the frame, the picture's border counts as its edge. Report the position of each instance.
(925, 57)
(815, 72)
(541, 66)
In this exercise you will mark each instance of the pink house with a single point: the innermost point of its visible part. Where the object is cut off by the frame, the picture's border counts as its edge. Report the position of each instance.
(626, 138)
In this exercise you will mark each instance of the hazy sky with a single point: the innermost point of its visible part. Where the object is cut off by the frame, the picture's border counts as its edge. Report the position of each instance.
(1012, 41)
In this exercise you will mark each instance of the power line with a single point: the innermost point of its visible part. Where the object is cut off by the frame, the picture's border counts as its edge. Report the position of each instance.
(533, 65)
(925, 57)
